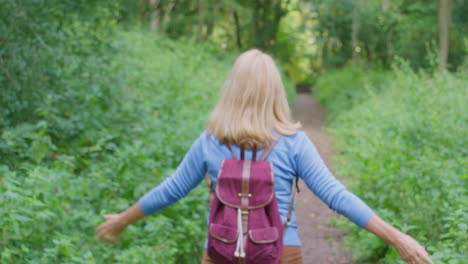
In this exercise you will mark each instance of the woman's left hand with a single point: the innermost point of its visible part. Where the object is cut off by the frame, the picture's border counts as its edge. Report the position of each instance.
(411, 251)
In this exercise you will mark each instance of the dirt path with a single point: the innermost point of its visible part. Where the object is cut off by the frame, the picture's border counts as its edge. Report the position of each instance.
(321, 244)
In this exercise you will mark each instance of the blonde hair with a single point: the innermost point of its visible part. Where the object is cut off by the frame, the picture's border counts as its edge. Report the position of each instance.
(253, 102)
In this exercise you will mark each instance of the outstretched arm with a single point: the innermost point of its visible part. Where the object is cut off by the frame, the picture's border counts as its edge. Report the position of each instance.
(188, 174)
(320, 181)
(409, 249)
(115, 224)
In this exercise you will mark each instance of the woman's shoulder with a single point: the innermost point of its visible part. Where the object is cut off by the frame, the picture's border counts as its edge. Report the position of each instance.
(298, 135)
(208, 138)
(290, 142)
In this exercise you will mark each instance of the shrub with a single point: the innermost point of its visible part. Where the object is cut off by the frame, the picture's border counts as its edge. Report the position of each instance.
(96, 149)
(114, 125)
(402, 146)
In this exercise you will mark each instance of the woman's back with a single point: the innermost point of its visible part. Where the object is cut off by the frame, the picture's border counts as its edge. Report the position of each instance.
(292, 156)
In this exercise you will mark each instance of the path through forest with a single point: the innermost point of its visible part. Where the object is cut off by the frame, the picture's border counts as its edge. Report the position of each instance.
(321, 244)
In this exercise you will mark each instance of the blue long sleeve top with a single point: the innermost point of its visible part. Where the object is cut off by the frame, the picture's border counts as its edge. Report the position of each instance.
(292, 156)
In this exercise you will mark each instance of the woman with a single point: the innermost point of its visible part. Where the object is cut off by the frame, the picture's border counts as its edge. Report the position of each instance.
(254, 105)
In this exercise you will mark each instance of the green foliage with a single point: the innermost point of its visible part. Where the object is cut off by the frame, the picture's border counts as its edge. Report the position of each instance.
(102, 148)
(341, 90)
(402, 143)
(403, 28)
(91, 117)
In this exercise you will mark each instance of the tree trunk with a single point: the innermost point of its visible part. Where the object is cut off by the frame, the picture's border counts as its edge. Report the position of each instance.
(389, 55)
(325, 53)
(279, 12)
(355, 32)
(212, 20)
(238, 31)
(267, 17)
(444, 25)
(154, 15)
(386, 5)
(259, 13)
(201, 19)
(167, 13)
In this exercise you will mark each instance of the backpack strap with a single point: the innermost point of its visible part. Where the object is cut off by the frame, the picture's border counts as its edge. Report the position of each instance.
(269, 148)
(210, 186)
(254, 149)
(234, 156)
(291, 205)
(296, 182)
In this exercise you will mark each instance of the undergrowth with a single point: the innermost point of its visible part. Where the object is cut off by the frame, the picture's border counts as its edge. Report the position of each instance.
(96, 148)
(401, 141)
(91, 117)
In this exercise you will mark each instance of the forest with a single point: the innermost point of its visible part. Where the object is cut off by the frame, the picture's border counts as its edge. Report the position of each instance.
(100, 100)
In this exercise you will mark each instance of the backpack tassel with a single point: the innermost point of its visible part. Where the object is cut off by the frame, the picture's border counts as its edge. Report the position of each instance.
(239, 252)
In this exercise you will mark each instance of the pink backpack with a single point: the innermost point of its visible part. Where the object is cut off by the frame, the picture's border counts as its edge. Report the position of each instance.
(244, 224)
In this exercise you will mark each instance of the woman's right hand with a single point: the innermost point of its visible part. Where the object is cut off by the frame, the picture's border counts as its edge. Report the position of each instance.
(411, 251)
(115, 224)
(109, 231)
(408, 248)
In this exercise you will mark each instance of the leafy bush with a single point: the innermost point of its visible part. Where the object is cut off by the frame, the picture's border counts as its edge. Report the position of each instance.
(91, 117)
(96, 149)
(341, 90)
(402, 145)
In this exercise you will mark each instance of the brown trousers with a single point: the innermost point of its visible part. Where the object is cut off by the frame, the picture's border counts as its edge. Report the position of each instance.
(291, 255)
